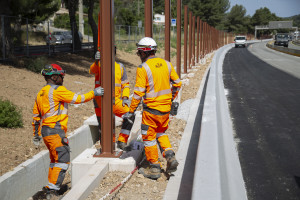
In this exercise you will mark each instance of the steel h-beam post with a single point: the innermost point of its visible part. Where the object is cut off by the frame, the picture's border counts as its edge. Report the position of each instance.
(193, 41)
(107, 77)
(148, 18)
(190, 38)
(185, 37)
(178, 23)
(167, 29)
(198, 28)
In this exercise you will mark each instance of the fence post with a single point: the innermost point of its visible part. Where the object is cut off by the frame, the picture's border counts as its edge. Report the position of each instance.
(3, 37)
(27, 47)
(128, 33)
(178, 46)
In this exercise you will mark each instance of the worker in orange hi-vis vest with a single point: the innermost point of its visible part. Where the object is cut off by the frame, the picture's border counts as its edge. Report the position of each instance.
(121, 105)
(50, 118)
(154, 78)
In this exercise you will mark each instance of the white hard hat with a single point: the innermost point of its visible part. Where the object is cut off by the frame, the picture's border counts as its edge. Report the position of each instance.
(146, 44)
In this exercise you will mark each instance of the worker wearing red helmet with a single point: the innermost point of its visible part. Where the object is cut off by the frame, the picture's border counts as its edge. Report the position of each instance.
(121, 104)
(50, 118)
(154, 78)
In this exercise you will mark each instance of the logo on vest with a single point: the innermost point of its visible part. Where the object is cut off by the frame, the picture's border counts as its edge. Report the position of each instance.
(158, 65)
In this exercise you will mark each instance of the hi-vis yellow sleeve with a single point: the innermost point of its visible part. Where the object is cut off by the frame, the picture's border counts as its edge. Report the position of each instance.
(139, 89)
(36, 120)
(65, 95)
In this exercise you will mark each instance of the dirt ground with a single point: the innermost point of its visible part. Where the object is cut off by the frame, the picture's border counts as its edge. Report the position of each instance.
(20, 86)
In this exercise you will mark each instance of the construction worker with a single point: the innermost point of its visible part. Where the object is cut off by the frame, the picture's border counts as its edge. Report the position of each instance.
(50, 118)
(153, 79)
(121, 105)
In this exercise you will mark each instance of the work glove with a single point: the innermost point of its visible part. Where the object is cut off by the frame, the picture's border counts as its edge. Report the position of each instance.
(97, 55)
(128, 116)
(174, 108)
(99, 91)
(37, 140)
(125, 102)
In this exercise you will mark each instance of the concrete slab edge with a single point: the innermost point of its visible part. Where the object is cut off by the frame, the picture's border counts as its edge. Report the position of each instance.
(218, 172)
(174, 181)
(88, 182)
(30, 176)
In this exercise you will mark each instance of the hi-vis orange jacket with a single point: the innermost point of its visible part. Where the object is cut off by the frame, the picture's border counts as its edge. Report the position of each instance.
(153, 80)
(121, 81)
(51, 107)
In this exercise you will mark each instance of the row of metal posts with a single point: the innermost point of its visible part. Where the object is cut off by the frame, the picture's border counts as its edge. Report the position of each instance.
(208, 39)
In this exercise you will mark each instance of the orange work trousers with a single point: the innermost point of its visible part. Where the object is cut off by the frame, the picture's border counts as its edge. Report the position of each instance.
(154, 125)
(59, 157)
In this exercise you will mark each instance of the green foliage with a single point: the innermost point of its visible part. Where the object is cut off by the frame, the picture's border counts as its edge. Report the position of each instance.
(62, 21)
(210, 11)
(236, 20)
(10, 115)
(35, 64)
(35, 10)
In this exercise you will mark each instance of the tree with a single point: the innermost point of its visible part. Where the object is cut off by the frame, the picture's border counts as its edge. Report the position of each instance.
(72, 5)
(210, 11)
(92, 22)
(262, 16)
(35, 10)
(236, 21)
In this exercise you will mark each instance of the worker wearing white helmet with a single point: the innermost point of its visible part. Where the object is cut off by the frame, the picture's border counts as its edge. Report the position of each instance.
(154, 78)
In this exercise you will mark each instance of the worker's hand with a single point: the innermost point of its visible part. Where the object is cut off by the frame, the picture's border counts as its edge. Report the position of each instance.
(128, 116)
(37, 140)
(99, 91)
(97, 55)
(125, 101)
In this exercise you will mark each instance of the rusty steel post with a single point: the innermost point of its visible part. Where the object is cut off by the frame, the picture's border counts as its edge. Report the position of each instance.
(185, 37)
(193, 41)
(178, 46)
(148, 18)
(204, 39)
(190, 39)
(201, 39)
(107, 77)
(167, 29)
(198, 28)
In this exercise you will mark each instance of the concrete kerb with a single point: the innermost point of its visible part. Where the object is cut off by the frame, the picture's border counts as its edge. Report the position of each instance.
(218, 173)
(173, 186)
(30, 176)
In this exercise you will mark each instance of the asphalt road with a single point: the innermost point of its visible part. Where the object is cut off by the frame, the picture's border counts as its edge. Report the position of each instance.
(263, 92)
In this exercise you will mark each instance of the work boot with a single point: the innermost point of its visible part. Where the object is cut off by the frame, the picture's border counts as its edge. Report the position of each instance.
(49, 192)
(153, 171)
(172, 163)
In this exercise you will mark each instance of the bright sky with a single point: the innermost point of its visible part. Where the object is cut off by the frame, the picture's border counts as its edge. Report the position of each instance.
(282, 8)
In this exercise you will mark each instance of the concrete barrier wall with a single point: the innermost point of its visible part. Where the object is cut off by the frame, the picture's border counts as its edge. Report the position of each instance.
(218, 173)
(29, 177)
(294, 52)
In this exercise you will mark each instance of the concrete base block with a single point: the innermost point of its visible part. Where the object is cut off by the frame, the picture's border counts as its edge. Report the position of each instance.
(86, 160)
